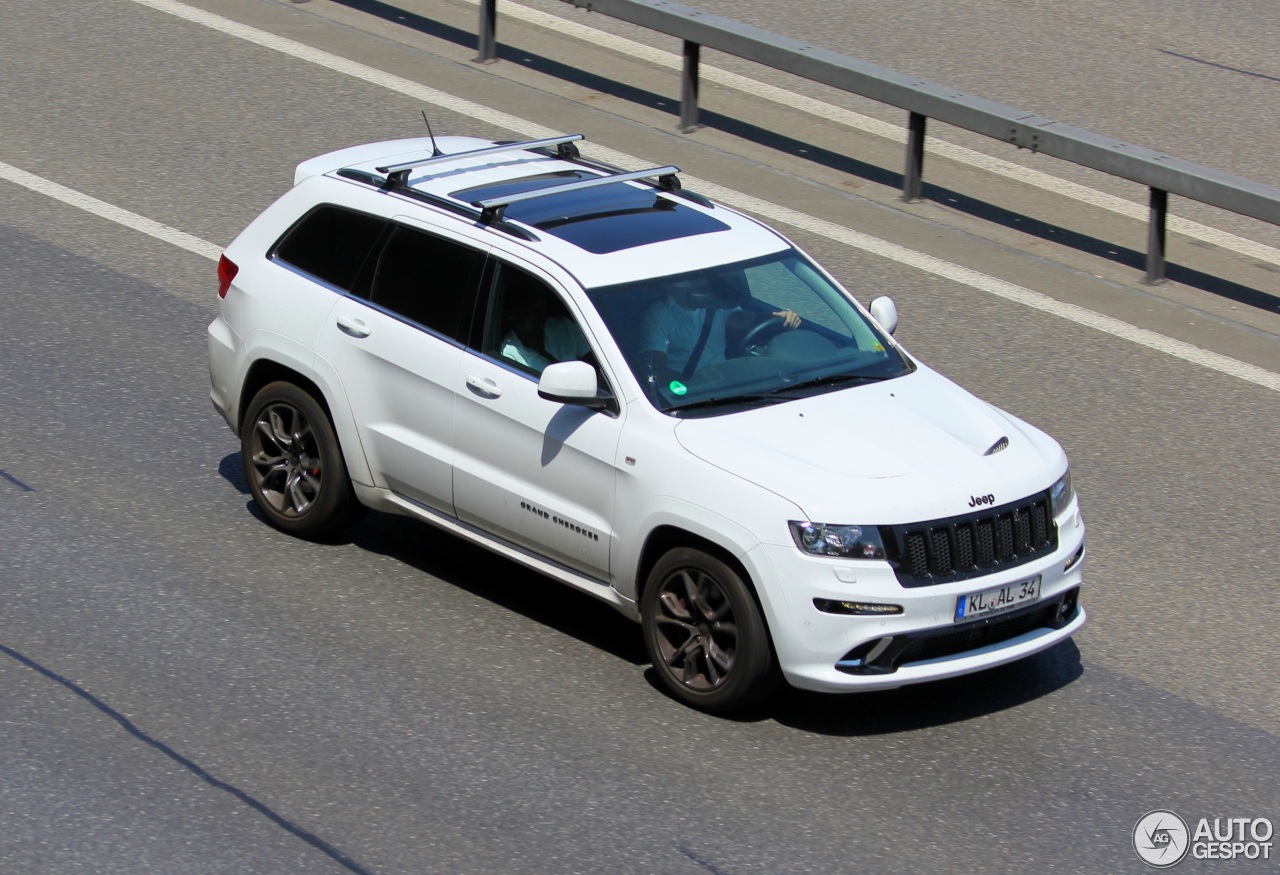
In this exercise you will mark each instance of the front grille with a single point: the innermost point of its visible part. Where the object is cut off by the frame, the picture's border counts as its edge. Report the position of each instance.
(957, 548)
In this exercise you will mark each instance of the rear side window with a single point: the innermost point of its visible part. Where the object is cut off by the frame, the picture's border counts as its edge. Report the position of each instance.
(331, 244)
(428, 280)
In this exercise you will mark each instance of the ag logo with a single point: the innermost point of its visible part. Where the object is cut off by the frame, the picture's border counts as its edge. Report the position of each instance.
(1161, 839)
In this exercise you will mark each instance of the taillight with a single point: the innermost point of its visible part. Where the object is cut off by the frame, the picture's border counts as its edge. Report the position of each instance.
(227, 271)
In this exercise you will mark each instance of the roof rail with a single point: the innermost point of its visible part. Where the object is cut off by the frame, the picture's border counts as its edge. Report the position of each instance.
(398, 174)
(492, 209)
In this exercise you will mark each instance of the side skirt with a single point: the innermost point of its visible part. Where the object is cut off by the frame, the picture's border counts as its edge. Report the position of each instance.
(385, 500)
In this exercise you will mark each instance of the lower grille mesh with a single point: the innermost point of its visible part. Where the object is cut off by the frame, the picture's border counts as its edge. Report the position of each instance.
(884, 656)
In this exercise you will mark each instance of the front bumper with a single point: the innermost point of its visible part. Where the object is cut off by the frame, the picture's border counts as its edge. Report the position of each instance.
(821, 650)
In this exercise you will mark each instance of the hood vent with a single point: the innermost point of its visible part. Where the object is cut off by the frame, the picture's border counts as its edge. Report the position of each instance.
(1002, 444)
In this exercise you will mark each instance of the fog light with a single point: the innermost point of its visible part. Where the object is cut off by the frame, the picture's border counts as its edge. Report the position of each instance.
(877, 656)
(1074, 559)
(1067, 607)
(861, 609)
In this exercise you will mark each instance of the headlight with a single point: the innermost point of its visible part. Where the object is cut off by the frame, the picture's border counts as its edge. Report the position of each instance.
(826, 539)
(1061, 493)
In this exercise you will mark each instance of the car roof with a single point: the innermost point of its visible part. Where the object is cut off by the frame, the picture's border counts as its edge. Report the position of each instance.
(602, 225)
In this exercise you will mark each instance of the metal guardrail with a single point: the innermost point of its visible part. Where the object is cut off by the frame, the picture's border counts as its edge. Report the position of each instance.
(1162, 174)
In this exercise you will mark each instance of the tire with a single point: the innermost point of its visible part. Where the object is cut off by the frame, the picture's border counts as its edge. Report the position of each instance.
(705, 634)
(293, 464)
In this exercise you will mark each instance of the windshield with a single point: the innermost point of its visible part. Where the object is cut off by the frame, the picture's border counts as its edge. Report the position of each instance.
(760, 331)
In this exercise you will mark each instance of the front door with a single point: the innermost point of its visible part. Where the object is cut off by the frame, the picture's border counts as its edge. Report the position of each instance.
(535, 472)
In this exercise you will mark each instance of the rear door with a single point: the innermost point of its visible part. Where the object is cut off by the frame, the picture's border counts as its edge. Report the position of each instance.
(396, 345)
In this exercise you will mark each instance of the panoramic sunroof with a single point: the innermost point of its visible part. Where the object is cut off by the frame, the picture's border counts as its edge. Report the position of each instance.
(604, 219)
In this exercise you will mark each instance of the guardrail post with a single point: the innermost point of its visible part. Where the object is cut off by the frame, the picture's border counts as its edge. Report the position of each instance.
(1156, 235)
(488, 32)
(913, 177)
(689, 88)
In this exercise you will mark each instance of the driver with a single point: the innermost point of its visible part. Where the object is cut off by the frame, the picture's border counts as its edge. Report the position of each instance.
(686, 330)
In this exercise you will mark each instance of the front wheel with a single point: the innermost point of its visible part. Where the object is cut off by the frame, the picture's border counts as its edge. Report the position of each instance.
(705, 634)
(294, 465)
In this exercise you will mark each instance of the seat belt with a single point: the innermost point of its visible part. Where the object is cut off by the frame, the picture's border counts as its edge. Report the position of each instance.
(691, 365)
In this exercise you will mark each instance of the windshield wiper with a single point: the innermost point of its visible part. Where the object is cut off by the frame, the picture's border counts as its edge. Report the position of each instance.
(829, 380)
(725, 401)
(781, 393)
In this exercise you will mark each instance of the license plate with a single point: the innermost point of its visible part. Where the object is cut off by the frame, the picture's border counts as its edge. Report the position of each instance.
(995, 601)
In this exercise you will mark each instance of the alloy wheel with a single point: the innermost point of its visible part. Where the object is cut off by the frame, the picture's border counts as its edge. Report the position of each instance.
(286, 460)
(697, 631)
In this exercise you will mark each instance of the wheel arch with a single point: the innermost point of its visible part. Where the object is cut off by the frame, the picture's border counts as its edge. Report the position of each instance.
(666, 538)
(264, 372)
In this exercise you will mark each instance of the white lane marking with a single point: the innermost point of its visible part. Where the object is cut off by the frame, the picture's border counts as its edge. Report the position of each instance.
(866, 124)
(108, 211)
(929, 264)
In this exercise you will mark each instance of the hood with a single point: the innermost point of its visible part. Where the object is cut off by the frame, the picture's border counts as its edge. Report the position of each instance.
(905, 450)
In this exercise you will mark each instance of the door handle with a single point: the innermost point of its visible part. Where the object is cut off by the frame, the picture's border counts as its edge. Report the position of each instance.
(353, 327)
(484, 386)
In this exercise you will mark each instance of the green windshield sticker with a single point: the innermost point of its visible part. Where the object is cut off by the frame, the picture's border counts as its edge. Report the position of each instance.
(678, 388)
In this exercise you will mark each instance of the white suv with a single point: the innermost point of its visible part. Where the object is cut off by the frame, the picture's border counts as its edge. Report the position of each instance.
(646, 396)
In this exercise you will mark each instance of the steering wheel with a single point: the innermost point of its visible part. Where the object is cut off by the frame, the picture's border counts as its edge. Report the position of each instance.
(753, 334)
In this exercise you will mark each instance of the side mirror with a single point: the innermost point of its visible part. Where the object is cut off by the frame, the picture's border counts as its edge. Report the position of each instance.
(572, 383)
(885, 312)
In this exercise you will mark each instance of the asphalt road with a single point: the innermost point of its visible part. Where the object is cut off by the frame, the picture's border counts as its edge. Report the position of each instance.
(185, 690)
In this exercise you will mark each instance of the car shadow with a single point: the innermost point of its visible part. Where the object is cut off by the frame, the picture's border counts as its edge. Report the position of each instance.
(501, 582)
(533, 596)
(232, 470)
(918, 706)
(479, 572)
(936, 703)
(515, 588)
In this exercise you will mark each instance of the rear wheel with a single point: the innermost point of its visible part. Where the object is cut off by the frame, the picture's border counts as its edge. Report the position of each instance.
(293, 463)
(705, 634)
